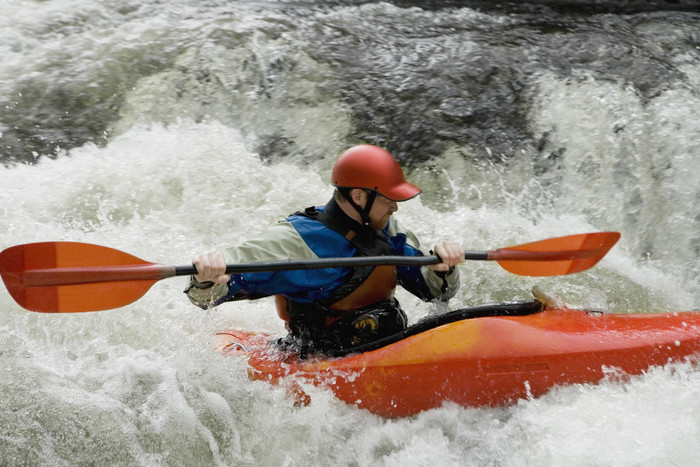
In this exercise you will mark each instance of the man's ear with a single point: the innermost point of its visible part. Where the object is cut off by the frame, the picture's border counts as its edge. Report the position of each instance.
(358, 196)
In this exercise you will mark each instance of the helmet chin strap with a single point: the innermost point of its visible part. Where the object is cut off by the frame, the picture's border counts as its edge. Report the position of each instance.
(364, 212)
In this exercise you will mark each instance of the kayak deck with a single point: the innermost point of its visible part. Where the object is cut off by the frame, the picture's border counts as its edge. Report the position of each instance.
(481, 361)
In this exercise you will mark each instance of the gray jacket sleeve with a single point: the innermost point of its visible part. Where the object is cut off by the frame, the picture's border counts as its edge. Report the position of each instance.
(280, 242)
(441, 286)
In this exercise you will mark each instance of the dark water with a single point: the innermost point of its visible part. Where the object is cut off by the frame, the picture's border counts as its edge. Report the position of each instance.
(417, 81)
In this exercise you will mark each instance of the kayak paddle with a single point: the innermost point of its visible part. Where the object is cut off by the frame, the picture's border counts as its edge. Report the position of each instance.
(68, 277)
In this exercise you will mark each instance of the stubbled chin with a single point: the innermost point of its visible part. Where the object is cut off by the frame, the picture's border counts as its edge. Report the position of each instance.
(381, 224)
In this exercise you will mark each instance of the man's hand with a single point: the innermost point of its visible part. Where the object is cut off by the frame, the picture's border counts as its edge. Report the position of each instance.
(451, 254)
(211, 267)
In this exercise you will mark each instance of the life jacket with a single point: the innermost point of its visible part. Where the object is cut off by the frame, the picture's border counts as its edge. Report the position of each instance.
(361, 309)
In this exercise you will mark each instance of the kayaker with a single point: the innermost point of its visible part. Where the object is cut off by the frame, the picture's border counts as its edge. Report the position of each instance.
(336, 308)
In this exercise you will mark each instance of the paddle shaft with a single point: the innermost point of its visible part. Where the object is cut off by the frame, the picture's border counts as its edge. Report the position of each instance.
(321, 263)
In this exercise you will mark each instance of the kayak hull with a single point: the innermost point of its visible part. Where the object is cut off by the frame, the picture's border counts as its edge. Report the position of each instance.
(488, 361)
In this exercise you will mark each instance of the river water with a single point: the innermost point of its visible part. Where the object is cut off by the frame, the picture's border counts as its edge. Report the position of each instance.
(165, 129)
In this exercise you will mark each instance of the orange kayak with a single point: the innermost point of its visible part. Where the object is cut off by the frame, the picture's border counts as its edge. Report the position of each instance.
(484, 356)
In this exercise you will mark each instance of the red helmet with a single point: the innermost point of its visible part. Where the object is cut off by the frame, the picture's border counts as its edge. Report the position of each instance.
(373, 168)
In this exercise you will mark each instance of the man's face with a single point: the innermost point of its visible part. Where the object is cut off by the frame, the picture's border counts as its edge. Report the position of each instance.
(381, 211)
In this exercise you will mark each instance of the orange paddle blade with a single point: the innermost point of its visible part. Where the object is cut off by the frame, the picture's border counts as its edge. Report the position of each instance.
(68, 277)
(556, 256)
